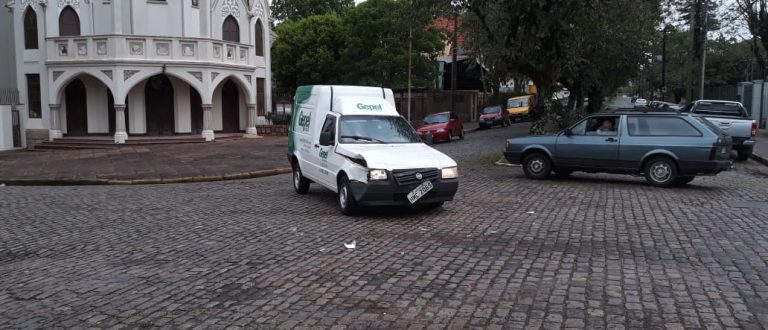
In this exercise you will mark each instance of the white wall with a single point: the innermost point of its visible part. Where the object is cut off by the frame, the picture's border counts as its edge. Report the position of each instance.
(157, 18)
(103, 22)
(181, 104)
(217, 118)
(98, 105)
(6, 128)
(136, 110)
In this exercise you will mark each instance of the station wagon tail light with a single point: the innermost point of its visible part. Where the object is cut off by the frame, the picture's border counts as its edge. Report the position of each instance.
(449, 173)
(377, 175)
(754, 128)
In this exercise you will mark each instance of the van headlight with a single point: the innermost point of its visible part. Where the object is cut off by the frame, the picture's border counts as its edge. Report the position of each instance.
(377, 175)
(450, 173)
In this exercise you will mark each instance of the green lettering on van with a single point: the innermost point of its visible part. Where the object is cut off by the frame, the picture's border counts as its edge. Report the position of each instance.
(370, 107)
(324, 154)
(304, 121)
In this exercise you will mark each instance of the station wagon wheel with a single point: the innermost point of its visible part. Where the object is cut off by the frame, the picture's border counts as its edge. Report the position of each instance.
(537, 166)
(661, 172)
(300, 183)
(346, 200)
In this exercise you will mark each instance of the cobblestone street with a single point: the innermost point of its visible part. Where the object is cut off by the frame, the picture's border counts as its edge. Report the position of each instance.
(591, 251)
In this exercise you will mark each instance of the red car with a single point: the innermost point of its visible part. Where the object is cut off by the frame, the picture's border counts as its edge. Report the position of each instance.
(443, 126)
(494, 116)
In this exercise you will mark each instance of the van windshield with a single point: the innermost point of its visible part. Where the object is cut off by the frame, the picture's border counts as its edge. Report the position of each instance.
(517, 103)
(376, 129)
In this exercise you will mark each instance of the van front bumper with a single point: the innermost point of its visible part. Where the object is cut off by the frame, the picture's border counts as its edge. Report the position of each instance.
(389, 193)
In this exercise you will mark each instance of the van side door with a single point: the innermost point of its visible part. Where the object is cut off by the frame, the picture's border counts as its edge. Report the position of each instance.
(328, 161)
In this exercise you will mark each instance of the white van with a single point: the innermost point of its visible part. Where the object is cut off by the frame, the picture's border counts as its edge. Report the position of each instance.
(352, 140)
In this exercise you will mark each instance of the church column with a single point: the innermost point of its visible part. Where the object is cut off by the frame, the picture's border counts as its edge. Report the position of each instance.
(120, 132)
(252, 116)
(208, 122)
(55, 132)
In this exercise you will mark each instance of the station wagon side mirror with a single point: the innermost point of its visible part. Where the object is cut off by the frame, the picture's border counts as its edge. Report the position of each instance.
(325, 139)
(567, 132)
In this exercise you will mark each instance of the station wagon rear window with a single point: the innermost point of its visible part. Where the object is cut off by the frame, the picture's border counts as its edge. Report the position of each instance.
(660, 126)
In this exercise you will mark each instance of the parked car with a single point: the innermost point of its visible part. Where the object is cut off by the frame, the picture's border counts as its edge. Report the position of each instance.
(641, 102)
(733, 119)
(495, 115)
(519, 107)
(443, 127)
(352, 140)
(665, 106)
(667, 148)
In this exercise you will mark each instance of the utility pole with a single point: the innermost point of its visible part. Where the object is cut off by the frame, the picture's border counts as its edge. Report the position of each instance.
(703, 49)
(410, 52)
(664, 62)
(455, 58)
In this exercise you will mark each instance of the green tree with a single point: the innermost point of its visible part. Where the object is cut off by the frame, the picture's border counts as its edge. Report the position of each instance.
(284, 10)
(307, 52)
(376, 45)
(586, 44)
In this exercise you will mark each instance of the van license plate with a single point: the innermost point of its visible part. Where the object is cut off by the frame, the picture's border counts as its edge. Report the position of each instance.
(420, 191)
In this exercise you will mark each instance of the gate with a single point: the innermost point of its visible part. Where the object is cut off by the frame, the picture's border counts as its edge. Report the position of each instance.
(16, 125)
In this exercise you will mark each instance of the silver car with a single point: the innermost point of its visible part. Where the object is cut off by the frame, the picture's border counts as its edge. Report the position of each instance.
(667, 148)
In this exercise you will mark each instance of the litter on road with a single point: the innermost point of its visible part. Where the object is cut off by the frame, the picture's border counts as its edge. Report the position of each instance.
(350, 245)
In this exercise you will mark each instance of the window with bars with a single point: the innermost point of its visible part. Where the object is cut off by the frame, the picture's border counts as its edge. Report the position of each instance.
(34, 105)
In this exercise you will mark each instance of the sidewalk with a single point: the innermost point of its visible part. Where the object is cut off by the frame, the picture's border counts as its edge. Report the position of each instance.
(153, 164)
(760, 153)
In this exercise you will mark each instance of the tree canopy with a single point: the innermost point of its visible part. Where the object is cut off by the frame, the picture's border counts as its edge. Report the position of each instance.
(586, 45)
(366, 45)
(284, 10)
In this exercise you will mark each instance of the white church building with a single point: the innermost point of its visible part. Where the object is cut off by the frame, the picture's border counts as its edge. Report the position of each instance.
(140, 67)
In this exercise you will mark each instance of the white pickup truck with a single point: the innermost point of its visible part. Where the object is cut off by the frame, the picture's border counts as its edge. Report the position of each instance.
(732, 118)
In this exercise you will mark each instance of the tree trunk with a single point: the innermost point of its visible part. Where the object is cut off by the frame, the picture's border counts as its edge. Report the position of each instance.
(595, 100)
(544, 118)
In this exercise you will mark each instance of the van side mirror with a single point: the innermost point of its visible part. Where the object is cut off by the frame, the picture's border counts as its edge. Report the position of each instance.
(325, 139)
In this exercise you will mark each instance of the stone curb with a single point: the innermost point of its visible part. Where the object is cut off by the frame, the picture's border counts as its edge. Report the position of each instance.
(760, 159)
(189, 179)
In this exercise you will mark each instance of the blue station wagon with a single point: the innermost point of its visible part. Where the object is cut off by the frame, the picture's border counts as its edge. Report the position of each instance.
(667, 148)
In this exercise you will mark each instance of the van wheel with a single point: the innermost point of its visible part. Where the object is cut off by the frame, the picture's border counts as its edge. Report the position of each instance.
(537, 166)
(300, 183)
(661, 172)
(347, 203)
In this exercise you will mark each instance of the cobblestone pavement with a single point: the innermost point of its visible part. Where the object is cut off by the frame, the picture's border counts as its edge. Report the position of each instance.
(224, 157)
(594, 251)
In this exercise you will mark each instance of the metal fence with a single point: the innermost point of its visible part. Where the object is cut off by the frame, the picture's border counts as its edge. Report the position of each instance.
(9, 96)
(725, 92)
